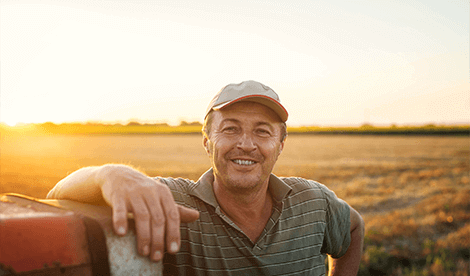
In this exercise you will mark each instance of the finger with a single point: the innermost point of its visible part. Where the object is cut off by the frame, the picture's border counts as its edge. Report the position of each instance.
(142, 225)
(187, 214)
(157, 227)
(172, 225)
(119, 215)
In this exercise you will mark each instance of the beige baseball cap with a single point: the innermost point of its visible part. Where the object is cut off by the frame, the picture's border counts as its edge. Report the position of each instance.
(252, 91)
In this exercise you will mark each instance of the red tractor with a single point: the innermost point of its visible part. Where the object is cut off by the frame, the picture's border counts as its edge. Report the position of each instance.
(63, 237)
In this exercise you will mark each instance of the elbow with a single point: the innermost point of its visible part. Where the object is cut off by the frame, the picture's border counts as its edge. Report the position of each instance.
(362, 224)
(357, 223)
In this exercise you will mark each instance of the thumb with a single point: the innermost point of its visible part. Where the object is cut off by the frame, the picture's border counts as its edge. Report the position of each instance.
(187, 214)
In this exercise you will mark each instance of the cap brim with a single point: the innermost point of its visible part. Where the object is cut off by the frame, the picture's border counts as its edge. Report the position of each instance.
(267, 101)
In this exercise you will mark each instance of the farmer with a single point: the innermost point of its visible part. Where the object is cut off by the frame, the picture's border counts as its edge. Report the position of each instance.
(248, 221)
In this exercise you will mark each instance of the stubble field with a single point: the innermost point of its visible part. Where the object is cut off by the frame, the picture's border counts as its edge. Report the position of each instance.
(413, 191)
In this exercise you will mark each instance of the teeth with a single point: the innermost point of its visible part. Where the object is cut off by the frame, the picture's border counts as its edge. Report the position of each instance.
(243, 162)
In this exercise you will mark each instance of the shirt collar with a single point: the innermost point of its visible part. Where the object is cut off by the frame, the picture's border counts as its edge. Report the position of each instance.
(203, 188)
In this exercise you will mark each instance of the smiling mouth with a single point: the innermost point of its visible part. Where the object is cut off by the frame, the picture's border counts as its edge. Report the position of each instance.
(243, 162)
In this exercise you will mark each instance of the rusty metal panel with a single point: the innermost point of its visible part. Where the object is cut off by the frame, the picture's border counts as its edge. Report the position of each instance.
(34, 241)
(122, 251)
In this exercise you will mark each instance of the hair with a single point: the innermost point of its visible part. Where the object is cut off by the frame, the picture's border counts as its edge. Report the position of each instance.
(206, 127)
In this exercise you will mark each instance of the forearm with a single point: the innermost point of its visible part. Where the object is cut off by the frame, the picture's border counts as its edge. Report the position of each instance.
(95, 184)
(348, 264)
(83, 185)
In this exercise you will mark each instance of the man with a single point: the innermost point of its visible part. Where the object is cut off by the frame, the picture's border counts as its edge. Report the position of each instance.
(250, 222)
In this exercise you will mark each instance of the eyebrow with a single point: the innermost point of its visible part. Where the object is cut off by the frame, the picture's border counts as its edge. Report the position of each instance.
(230, 120)
(261, 123)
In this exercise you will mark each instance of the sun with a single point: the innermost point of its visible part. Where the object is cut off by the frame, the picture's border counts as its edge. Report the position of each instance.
(12, 122)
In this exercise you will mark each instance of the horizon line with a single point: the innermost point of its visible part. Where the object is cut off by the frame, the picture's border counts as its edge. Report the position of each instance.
(136, 122)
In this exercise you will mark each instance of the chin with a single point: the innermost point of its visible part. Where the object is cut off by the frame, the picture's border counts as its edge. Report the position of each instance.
(244, 183)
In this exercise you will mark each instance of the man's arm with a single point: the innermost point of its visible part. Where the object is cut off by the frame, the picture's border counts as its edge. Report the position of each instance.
(81, 186)
(348, 264)
(157, 216)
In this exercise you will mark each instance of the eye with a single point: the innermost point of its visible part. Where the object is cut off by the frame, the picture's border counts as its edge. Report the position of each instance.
(230, 129)
(263, 132)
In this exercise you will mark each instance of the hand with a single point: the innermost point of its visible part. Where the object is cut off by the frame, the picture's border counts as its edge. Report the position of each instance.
(157, 216)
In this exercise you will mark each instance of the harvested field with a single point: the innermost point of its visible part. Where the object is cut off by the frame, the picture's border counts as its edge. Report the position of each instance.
(413, 191)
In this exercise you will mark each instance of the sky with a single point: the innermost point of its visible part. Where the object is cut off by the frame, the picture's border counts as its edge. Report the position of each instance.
(333, 63)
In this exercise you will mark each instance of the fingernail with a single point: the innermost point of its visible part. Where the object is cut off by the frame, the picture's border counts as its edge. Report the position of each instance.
(157, 256)
(121, 231)
(174, 247)
(146, 250)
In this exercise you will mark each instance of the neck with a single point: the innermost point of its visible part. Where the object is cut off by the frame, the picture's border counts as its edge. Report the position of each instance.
(249, 211)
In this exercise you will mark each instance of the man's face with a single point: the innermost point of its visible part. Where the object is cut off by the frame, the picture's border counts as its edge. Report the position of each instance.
(243, 145)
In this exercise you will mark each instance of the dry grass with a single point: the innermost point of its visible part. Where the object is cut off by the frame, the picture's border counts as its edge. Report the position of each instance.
(413, 192)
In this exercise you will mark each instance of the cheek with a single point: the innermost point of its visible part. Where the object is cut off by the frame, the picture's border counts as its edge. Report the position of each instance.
(271, 150)
(215, 148)
(223, 143)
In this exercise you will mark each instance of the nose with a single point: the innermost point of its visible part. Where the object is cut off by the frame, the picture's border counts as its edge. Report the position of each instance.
(246, 143)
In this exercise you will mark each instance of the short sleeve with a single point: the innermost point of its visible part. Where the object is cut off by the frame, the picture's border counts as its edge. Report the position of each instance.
(179, 188)
(337, 233)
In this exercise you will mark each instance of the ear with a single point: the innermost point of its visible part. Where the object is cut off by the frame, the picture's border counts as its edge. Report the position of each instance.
(281, 146)
(205, 143)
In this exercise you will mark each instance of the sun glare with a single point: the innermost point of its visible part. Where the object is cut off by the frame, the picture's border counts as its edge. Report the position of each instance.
(11, 123)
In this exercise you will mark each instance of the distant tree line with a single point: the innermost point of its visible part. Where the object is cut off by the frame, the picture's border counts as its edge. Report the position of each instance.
(135, 127)
(131, 123)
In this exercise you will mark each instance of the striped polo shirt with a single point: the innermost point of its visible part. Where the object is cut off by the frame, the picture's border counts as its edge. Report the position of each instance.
(307, 222)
